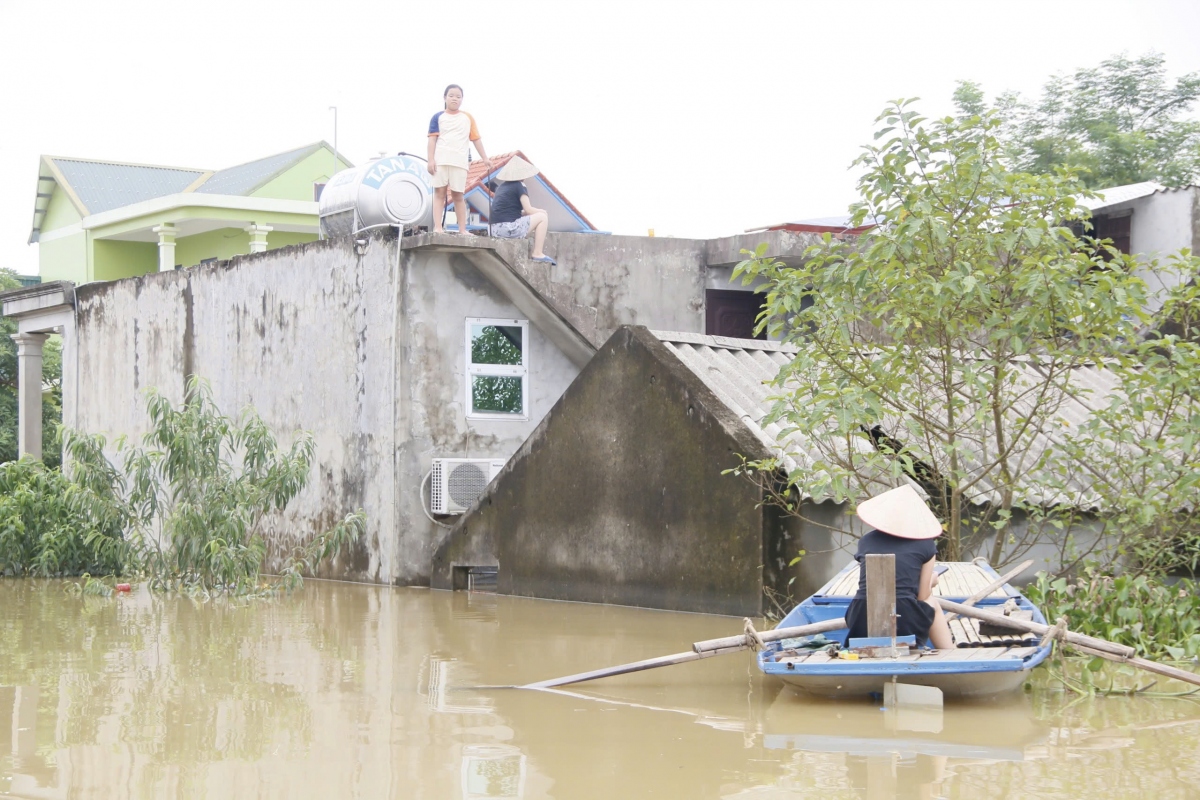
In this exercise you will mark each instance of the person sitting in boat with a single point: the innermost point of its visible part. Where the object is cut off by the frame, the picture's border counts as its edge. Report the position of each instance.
(904, 526)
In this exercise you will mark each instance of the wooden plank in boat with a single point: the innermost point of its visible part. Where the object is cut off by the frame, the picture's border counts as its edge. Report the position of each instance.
(985, 653)
(1020, 652)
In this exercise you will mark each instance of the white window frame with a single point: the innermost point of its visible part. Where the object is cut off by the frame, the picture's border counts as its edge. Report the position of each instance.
(498, 370)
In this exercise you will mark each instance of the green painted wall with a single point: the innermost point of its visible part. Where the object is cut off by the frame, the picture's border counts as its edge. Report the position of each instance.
(60, 212)
(112, 260)
(219, 244)
(297, 182)
(64, 259)
(229, 242)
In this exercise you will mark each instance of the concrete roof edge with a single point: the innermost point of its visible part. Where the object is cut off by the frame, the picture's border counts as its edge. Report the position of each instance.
(733, 425)
(66, 288)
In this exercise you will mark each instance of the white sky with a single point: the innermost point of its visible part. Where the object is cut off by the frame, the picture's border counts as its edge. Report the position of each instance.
(692, 118)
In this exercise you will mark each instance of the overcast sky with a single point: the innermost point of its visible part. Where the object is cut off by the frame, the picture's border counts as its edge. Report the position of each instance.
(692, 118)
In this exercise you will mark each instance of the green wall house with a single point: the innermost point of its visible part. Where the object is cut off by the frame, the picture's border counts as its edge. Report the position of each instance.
(103, 220)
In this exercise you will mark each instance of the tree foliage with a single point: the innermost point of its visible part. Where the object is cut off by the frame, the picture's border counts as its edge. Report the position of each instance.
(1117, 123)
(943, 345)
(187, 508)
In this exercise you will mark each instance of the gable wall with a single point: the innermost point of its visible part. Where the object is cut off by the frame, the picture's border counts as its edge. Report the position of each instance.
(619, 497)
(297, 182)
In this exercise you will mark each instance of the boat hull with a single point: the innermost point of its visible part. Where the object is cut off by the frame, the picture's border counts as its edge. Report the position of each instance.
(980, 666)
(955, 684)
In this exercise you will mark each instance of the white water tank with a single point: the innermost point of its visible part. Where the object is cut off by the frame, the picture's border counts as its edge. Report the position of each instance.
(387, 191)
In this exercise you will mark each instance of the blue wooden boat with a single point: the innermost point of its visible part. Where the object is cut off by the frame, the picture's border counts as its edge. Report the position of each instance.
(977, 666)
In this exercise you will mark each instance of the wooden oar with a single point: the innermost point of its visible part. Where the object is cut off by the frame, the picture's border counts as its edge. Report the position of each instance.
(1035, 627)
(994, 585)
(705, 649)
(1089, 645)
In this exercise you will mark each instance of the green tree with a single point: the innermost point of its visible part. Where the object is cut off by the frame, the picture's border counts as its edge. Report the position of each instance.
(943, 345)
(51, 375)
(1120, 122)
(196, 496)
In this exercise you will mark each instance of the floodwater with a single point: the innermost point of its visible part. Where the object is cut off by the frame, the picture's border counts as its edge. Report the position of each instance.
(359, 691)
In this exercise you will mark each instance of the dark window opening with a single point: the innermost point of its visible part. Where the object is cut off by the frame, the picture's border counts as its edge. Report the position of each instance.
(475, 579)
(1115, 228)
(732, 313)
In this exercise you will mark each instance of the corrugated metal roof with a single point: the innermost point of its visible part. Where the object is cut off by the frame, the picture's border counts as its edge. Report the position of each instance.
(103, 186)
(1120, 194)
(740, 373)
(245, 178)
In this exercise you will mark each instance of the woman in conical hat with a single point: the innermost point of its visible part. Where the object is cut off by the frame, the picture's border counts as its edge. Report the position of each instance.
(904, 526)
(512, 216)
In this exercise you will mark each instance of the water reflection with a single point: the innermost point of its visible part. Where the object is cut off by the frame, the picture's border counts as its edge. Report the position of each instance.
(354, 691)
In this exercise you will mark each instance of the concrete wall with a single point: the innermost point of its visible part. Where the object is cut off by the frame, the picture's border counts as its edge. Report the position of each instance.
(1162, 224)
(618, 496)
(366, 348)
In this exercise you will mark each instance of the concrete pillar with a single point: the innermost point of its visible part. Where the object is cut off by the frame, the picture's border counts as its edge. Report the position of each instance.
(29, 392)
(258, 237)
(166, 246)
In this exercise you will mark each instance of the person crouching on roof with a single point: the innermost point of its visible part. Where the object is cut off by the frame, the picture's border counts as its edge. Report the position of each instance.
(451, 132)
(512, 216)
(904, 526)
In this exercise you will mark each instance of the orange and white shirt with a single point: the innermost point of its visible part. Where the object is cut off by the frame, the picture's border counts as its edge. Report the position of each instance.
(454, 131)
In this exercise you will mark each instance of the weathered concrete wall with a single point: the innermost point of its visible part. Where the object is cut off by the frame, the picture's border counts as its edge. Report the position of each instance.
(1162, 224)
(365, 346)
(618, 496)
(298, 333)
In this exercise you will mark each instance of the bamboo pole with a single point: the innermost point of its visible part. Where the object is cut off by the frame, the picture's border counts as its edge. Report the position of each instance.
(1077, 639)
(705, 649)
(1146, 664)
(636, 666)
(770, 636)
(994, 585)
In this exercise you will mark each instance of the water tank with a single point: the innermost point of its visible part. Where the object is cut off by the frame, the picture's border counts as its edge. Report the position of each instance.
(388, 191)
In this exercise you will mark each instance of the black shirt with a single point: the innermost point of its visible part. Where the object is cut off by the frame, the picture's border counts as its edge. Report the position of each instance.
(506, 202)
(910, 555)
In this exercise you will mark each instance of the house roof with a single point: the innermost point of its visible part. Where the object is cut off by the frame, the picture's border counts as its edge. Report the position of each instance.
(839, 224)
(740, 371)
(247, 178)
(96, 186)
(478, 177)
(1120, 194)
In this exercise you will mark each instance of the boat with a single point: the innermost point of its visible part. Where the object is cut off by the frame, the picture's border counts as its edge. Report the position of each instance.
(977, 666)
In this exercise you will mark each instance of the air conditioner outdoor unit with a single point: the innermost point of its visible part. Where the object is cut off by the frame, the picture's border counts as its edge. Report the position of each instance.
(456, 483)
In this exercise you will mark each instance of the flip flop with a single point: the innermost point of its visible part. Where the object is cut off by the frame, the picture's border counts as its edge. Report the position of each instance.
(545, 260)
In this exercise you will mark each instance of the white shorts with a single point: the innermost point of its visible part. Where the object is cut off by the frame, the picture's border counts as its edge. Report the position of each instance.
(454, 177)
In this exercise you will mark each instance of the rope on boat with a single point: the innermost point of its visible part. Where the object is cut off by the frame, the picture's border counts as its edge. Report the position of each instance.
(752, 638)
(1057, 633)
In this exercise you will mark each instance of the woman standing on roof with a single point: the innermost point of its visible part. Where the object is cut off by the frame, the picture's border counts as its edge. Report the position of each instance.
(512, 216)
(903, 526)
(451, 132)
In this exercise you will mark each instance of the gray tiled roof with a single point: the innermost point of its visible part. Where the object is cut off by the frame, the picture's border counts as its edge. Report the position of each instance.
(102, 186)
(740, 373)
(245, 178)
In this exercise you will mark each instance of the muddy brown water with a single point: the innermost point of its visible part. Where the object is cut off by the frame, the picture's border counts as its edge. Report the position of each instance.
(359, 691)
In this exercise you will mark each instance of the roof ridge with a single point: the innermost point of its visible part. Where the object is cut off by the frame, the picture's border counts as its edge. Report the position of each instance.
(111, 163)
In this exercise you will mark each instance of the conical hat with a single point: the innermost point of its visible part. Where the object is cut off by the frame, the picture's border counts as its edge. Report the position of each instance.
(517, 169)
(900, 512)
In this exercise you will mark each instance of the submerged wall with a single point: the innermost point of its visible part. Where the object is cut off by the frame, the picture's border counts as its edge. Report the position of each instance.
(364, 346)
(619, 497)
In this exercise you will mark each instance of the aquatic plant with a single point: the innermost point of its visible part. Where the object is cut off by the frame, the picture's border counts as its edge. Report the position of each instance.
(1159, 620)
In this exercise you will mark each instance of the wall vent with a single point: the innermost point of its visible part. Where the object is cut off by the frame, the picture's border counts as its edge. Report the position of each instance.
(457, 482)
